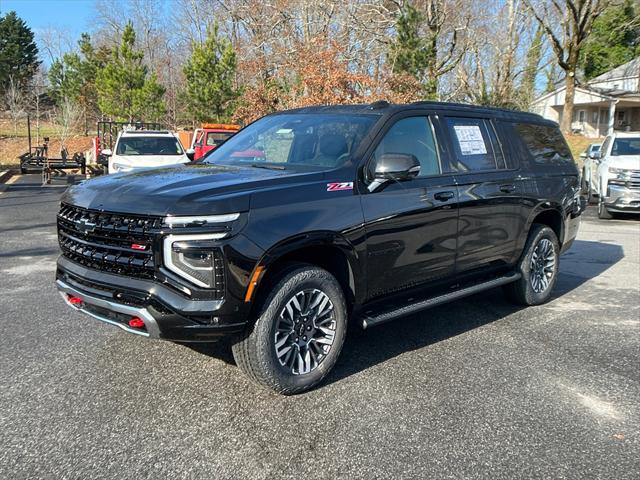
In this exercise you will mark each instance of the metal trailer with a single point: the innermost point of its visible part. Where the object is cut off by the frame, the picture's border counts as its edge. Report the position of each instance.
(37, 160)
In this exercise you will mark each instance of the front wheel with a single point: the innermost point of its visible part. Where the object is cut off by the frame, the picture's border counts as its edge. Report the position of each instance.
(603, 213)
(299, 333)
(538, 267)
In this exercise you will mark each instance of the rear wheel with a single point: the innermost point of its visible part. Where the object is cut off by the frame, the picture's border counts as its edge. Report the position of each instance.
(299, 333)
(538, 267)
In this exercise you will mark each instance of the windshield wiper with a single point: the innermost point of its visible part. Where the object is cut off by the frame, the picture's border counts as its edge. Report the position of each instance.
(268, 167)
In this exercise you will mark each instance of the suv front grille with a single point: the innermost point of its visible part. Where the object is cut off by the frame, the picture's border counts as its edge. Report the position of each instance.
(114, 243)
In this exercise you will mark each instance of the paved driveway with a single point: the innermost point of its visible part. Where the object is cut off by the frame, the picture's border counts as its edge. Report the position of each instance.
(477, 389)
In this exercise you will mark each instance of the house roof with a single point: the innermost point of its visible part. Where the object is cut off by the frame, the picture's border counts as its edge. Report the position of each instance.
(629, 69)
(598, 92)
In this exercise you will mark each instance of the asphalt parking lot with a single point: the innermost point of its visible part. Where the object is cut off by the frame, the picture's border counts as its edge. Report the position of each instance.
(476, 389)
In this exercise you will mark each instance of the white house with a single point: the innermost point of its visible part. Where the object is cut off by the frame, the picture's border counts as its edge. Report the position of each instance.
(607, 103)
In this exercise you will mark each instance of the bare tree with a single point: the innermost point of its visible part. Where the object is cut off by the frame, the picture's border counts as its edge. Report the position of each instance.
(36, 91)
(566, 38)
(55, 42)
(15, 102)
(67, 119)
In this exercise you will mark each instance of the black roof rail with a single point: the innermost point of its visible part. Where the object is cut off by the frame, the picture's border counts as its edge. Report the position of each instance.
(472, 106)
(377, 105)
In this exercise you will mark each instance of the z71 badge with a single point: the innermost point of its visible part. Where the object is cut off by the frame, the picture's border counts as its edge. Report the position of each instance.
(339, 186)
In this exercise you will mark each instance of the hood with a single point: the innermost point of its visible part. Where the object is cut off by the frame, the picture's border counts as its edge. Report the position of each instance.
(628, 162)
(194, 189)
(149, 161)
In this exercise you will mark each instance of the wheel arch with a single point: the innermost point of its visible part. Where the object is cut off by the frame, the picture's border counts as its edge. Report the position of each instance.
(551, 217)
(327, 250)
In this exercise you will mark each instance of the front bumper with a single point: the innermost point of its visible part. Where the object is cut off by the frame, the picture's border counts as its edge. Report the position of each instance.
(167, 314)
(620, 198)
(110, 312)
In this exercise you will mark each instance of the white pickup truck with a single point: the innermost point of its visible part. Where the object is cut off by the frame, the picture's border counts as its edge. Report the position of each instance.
(617, 178)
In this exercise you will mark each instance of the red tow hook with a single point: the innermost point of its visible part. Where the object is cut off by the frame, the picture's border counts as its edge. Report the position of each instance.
(136, 322)
(74, 300)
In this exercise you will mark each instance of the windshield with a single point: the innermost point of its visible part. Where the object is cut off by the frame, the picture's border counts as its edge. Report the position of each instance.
(314, 140)
(149, 146)
(216, 138)
(626, 146)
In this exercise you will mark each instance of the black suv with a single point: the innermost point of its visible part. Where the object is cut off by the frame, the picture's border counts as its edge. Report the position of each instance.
(313, 217)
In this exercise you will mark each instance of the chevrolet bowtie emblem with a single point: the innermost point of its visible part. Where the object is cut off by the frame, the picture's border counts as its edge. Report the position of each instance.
(85, 226)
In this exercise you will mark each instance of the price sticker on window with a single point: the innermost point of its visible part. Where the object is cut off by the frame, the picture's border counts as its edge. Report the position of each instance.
(470, 140)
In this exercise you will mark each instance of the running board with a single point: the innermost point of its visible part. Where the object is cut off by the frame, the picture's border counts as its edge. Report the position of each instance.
(372, 320)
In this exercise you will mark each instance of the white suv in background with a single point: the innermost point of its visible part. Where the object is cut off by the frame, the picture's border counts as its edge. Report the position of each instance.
(617, 180)
(145, 149)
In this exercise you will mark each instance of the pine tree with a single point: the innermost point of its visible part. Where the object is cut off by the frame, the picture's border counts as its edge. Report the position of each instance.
(72, 79)
(18, 52)
(209, 91)
(65, 78)
(615, 39)
(125, 89)
(412, 52)
(532, 63)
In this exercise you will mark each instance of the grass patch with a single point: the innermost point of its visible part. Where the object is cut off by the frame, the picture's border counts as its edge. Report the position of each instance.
(578, 144)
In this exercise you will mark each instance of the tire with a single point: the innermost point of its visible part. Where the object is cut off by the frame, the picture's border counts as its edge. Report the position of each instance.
(603, 213)
(584, 185)
(256, 352)
(527, 290)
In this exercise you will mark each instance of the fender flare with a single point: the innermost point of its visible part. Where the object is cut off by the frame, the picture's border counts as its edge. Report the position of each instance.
(320, 238)
(543, 207)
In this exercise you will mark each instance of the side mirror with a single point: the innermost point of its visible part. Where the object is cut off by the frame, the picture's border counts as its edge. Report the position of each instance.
(595, 156)
(191, 153)
(398, 167)
(106, 152)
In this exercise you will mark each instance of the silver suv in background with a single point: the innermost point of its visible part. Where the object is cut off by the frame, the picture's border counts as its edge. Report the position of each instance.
(617, 178)
(589, 165)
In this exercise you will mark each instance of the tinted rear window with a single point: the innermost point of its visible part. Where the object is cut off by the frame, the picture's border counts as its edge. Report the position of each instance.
(545, 144)
(475, 144)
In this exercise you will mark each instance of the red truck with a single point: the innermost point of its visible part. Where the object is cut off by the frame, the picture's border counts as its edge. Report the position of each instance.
(209, 136)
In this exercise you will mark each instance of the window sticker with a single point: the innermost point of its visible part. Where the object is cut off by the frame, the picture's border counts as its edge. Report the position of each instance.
(470, 140)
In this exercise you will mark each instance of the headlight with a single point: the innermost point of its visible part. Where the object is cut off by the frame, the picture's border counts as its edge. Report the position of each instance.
(121, 167)
(201, 220)
(617, 171)
(194, 258)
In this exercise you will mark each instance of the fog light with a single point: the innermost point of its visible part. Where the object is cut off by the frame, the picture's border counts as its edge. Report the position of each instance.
(74, 300)
(136, 322)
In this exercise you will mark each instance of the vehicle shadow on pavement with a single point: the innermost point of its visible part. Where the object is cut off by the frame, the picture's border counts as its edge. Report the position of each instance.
(584, 261)
(31, 252)
(364, 349)
(34, 226)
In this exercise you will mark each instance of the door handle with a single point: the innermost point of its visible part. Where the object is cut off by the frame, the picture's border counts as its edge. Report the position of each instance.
(444, 196)
(507, 188)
